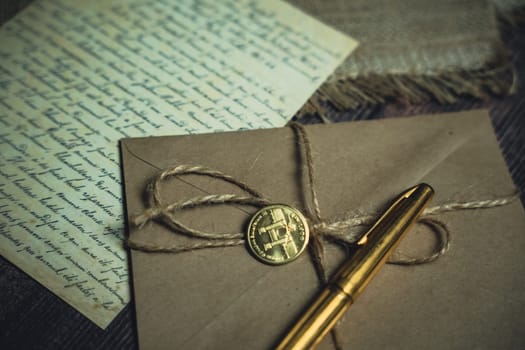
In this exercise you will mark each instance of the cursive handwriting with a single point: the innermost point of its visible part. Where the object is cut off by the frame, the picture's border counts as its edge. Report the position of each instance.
(76, 78)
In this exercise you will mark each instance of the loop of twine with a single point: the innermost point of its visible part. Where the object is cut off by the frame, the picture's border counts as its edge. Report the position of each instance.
(345, 231)
(166, 213)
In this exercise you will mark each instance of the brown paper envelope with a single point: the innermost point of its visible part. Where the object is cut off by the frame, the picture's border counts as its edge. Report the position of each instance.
(223, 298)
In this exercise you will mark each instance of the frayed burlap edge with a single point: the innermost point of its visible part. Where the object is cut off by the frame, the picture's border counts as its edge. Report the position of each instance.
(496, 78)
(445, 87)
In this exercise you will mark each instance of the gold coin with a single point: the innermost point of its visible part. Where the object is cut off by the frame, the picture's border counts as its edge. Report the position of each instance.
(278, 234)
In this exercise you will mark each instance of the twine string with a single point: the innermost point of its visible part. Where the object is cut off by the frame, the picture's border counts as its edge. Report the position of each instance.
(346, 231)
(316, 244)
(166, 213)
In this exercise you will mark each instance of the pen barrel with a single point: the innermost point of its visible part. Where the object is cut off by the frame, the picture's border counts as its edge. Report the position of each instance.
(352, 277)
(318, 320)
(381, 240)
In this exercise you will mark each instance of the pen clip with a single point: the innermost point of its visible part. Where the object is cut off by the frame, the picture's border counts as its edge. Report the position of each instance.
(395, 209)
(363, 239)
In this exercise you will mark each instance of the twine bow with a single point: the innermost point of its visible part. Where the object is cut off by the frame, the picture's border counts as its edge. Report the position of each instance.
(346, 231)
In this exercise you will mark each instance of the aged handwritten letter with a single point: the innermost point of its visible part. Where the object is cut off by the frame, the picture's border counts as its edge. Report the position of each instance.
(77, 76)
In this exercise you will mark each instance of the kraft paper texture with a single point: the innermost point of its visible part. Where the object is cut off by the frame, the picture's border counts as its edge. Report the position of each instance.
(223, 298)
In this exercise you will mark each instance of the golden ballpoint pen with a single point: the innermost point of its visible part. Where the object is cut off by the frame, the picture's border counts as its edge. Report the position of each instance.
(376, 245)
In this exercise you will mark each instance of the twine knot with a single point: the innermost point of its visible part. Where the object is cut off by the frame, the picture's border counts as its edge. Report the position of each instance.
(347, 231)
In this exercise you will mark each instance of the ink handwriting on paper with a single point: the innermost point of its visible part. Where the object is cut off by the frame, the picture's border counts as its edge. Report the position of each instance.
(75, 77)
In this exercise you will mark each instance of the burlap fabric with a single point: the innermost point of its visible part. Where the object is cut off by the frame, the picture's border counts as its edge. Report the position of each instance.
(413, 51)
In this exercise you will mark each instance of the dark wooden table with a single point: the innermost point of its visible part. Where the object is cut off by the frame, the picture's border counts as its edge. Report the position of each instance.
(31, 317)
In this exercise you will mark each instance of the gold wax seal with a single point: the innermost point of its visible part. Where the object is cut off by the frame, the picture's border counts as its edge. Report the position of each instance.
(278, 234)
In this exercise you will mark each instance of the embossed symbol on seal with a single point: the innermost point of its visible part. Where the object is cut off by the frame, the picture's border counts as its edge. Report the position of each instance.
(278, 234)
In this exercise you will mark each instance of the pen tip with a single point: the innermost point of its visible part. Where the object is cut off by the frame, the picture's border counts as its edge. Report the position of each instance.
(422, 187)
